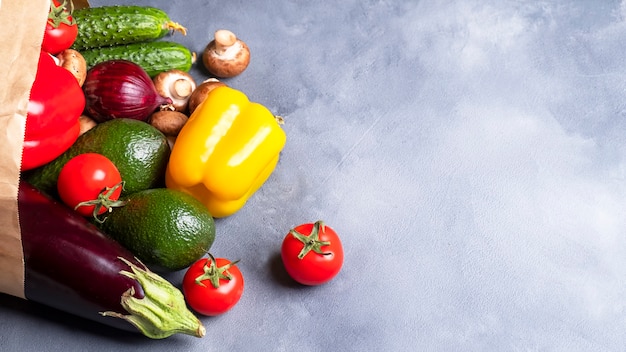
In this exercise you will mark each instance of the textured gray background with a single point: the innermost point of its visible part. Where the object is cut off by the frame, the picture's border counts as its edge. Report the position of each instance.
(470, 154)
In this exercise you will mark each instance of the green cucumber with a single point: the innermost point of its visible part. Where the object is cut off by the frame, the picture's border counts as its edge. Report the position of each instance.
(154, 57)
(121, 24)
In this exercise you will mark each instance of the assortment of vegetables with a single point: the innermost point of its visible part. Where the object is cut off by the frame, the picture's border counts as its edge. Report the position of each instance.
(72, 266)
(139, 151)
(123, 178)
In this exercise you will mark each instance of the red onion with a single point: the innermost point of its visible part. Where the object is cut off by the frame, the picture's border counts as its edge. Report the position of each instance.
(120, 89)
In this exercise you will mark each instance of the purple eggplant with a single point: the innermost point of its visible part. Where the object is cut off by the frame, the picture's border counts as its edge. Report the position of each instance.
(72, 266)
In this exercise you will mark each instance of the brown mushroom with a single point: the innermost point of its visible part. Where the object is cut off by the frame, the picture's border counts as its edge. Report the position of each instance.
(176, 85)
(168, 122)
(200, 93)
(226, 55)
(74, 62)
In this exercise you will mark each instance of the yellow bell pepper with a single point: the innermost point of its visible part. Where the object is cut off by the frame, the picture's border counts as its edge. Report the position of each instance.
(225, 152)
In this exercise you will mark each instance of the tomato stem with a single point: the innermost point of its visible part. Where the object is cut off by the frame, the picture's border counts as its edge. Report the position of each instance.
(60, 14)
(213, 273)
(312, 241)
(103, 201)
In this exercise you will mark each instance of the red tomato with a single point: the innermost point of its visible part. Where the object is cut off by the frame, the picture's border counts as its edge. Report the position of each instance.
(61, 29)
(312, 253)
(90, 183)
(212, 286)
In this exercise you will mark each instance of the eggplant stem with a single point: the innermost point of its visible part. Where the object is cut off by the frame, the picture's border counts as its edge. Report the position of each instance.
(162, 312)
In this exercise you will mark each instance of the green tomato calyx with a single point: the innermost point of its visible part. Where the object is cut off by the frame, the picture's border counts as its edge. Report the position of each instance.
(213, 273)
(103, 201)
(312, 241)
(61, 14)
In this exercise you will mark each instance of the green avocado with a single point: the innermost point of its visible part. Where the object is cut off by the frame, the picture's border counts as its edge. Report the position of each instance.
(168, 230)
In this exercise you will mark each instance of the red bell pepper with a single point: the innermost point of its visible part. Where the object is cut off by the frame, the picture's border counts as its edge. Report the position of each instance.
(55, 105)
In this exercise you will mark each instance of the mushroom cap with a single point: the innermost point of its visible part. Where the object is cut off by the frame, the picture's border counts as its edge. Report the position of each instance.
(201, 91)
(168, 122)
(228, 62)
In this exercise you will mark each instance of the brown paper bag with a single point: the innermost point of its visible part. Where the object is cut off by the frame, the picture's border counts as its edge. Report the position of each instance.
(22, 24)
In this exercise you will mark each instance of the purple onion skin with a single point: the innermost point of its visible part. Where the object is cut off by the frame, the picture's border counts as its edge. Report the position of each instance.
(120, 89)
(69, 264)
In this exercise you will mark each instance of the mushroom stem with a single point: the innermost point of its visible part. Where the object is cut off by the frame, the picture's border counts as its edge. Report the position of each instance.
(181, 89)
(224, 39)
(176, 85)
